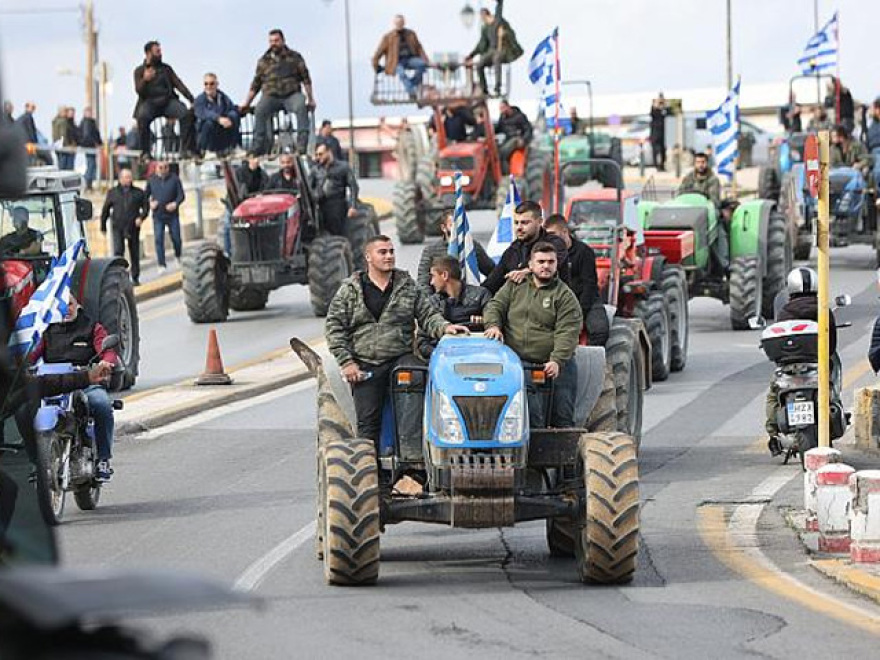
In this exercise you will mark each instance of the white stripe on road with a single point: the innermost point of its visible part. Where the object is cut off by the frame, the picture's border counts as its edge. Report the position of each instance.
(257, 572)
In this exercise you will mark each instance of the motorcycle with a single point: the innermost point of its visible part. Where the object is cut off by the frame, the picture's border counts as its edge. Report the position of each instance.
(793, 347)
(65, 433)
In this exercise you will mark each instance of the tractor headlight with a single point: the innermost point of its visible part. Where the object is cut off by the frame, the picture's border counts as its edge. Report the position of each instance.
(513, 424)
(446, 423)
(445, 180)
(465, 180)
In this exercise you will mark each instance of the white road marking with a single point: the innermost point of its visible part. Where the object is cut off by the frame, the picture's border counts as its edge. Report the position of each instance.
(257, 572)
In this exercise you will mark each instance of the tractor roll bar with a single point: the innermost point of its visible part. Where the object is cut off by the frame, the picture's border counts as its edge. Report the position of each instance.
(442, 84)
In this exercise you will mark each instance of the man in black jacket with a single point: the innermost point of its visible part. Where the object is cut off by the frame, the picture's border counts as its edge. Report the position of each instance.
(517, 131)
(659, 113)
(325, 136)
(127, 206)
(336, 190)
(90, 138)
(584, 279)
(514, 263)
(157, 85)
(251, 177)
(285, 177)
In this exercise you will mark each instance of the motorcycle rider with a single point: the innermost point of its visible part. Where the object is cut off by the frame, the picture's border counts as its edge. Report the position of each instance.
(77, 340)
(802, 305)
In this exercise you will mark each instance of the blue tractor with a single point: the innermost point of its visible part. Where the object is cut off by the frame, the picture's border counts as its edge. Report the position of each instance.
(458, 432)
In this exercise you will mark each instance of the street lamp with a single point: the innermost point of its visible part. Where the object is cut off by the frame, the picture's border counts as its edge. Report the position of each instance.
(468, 15)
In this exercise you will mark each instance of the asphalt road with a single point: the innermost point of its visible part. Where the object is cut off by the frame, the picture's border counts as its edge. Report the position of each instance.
(230, 493)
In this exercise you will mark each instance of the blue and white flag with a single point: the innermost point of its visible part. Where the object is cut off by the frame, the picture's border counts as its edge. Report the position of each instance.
(461, 243)
(545, 75)
(821, 51)
(723, 122)
(48, 304)
(502, 237)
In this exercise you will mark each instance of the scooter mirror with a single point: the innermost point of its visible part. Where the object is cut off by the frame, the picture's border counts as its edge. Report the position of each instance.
(110, 341)
(757, 323)
(843, 301)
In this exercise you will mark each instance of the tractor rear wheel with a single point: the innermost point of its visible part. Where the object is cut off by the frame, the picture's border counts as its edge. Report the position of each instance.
(779, 262)
(607, 545)
(655, 316)
(247, 299)
(623, 354)
(410, 227)
(743, 291)
(769, 184)
(535, 166)
(561, 537)
(330, 262)
(206, 284)
(118, 314)
(675, 290)
(350, 512)
(359, 230)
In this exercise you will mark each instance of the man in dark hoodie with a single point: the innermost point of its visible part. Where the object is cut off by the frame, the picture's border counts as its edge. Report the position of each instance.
(497, 46)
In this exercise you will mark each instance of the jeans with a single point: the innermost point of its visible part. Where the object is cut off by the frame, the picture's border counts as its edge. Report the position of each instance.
(120, 236)
(268, 106)
(418, 66)
(658, 154)
(564, 393)
(211, 136)
(101, 409)
(66, 160)
(150, 110)
(173, 225)
(369, 399)
(91, 169)
(494, 59)
(875, 152)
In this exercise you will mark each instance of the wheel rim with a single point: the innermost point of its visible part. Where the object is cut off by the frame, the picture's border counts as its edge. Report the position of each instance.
(632, 414)
(125, 331)
(56, 492)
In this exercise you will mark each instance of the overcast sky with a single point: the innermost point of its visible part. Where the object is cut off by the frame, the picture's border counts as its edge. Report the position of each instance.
(621, 45)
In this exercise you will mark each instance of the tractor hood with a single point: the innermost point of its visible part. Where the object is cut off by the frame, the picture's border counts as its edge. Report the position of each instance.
(471, 365)
(258, 208)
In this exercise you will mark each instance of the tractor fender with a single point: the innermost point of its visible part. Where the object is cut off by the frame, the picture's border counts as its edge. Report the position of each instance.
(590, 362)
(645, 347)
(46, 418)
(748, 231)
(652, 270)
(86, 282)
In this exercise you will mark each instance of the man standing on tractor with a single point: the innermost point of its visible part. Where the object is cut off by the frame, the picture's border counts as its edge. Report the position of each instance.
(456, 120)
(584, 279)
(157, 85)
(702, 180)
(402, 52)
(285, 177)
(497, 46)
(281, 76)
(127, 206)
(440, 248)
(370, 327)
(331, 179)
(517, 131)
(659, 113)
(540, 319)
(847, 152)
(458, 301)
(325, 136)
(514, 262)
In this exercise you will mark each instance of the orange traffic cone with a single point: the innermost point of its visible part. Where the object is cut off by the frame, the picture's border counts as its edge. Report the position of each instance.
(214, 373)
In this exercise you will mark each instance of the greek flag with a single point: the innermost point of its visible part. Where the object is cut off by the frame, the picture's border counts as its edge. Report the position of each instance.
(544, 74)
(461, 243)
(821, 51)
(48, 304)
(723, 122)
(502, 237)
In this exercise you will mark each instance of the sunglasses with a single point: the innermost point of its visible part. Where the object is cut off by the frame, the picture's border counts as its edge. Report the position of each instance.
(210, 84)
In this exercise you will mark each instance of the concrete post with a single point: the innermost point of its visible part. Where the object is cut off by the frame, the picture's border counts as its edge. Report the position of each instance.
(865, 516)
(833, 504)
(814, 460)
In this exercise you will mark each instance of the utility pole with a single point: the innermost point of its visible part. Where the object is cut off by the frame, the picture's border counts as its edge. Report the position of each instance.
(729, 46)
(91, 54)
(824, 348)
(352, 154)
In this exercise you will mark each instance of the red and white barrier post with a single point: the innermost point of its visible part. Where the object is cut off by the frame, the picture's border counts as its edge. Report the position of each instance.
(865, 517)
(814, 460)
(832, 506)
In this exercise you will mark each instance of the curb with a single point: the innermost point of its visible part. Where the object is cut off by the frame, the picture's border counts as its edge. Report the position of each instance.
(158, 287)
(844, 572)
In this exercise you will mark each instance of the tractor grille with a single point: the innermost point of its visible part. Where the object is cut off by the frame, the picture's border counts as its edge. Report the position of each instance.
(257, 242)
(480, 415)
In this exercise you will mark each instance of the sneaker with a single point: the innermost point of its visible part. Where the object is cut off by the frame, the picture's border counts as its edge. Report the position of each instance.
(103, 472)
(774, 446)
(163, 269)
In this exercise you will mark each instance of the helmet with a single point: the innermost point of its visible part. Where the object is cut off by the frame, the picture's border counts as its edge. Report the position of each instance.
(803, 280)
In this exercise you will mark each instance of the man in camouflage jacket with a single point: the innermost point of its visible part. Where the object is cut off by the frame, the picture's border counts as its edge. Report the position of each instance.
(281, 76)
(702, 180)
(371, 325)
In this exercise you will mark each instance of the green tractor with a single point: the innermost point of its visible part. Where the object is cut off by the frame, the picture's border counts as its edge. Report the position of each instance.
(685, 230)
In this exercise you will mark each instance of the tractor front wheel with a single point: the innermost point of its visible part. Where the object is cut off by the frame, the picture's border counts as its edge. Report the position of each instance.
(624, 355)
(675, 291)
(655, 316)
(118, 314)
(350, 512)
(405, 209)
(743, 291)
(330, 262)
(779, 262)
(607, 544)
(206, 284)
(248, 299)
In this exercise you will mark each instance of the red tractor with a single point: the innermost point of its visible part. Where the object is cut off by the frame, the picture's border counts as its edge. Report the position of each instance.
(276, 238)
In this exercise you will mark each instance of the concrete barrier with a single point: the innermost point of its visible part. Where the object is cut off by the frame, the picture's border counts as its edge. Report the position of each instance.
(865, 516)
(832, 507)
(867, 418)
(814, 460)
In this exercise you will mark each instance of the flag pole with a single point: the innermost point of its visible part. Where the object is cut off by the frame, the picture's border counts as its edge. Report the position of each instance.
(837, 77)
(556, 183)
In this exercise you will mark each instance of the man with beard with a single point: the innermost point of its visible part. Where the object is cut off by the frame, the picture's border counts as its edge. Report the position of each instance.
(284, 178)
(702, 180)
(331, 179)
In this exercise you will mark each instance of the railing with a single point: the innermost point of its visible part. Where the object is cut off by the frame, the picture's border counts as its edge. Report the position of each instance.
(442, 85)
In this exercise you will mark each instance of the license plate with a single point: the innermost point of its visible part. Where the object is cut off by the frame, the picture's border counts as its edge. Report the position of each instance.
(800, 413)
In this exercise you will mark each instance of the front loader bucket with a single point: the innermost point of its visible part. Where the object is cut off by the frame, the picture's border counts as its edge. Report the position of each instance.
(333, 421)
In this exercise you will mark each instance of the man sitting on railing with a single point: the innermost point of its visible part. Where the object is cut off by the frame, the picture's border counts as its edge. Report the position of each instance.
(403, 52)
(217, 119)
(497, 46)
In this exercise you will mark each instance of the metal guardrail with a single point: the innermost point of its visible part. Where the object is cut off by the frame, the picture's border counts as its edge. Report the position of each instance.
(442, 85)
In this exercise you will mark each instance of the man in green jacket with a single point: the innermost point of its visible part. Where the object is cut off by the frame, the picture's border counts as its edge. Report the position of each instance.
(702, 180)
(371, 325)
(540, 319)
(497, 46)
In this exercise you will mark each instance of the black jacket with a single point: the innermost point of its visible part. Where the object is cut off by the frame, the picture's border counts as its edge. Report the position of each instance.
(806, 308)
(332, 144)
(124, 207)
(455, 124)
(516, 125)
(89, 135)
(584, 279)
(333, 181)
(517, 256)
(251, 181)
(470, 302)
(278, 182)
